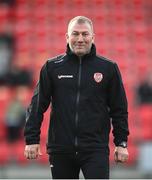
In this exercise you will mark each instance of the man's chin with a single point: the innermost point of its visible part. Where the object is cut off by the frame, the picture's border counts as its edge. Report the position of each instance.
(80, 53)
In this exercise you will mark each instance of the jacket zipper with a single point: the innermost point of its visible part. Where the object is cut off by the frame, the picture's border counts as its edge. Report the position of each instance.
(77, 101)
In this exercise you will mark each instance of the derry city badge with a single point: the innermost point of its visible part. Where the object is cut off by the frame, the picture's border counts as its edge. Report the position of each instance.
(98, 77)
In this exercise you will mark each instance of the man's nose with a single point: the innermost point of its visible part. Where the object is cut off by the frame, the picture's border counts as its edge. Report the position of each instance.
(80, 38)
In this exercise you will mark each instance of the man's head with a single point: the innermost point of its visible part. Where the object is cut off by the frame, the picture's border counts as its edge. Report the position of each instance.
(80, 35)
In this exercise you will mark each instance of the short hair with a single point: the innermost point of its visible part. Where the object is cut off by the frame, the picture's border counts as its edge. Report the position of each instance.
(81, 20)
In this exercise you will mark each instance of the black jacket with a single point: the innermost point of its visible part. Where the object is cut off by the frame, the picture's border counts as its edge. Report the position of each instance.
(86, 95)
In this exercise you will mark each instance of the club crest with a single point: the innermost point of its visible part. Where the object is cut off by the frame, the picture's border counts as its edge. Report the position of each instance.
(98, 77)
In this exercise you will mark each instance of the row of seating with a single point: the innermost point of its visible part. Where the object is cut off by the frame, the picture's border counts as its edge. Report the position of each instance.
(82, 3)
(22, 29)
(50, 13)
(124, 14)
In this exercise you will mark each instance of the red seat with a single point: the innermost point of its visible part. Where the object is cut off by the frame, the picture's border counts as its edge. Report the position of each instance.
(41, 2)
(40, 16)
(59, 3)
(22, 13)
(137, 2)
(2, 131)
(5, 95)
(18, 148)
(140, 31)
(4, 13)
(21, 2)
(4, 153)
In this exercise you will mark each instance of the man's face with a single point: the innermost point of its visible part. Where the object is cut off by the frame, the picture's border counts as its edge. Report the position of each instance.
(80, 38)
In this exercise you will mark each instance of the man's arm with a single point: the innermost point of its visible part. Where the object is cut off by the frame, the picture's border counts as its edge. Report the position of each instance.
(34, 116)
(117, 102)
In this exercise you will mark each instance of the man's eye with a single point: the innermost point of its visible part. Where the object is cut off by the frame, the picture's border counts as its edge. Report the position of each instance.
(75, 33)
(85, 34)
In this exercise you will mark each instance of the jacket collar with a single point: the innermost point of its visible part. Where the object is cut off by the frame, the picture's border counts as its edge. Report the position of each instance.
(71, 54)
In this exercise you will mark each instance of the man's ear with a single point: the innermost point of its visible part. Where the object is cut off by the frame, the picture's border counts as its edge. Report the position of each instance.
(67, 37)
(93, 38)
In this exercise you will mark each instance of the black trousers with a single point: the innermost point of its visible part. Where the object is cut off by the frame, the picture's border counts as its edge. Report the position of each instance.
(94, 165)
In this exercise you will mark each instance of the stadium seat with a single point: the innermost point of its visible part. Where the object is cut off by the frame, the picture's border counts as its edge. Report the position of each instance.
(4, 13)
(2, 130)
(4, 153)
(5, 95)
(137, 2)
(18, 148)
(21, 2)
(22, 13)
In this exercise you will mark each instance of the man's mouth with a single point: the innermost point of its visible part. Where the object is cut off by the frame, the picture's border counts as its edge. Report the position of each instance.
(80, 46)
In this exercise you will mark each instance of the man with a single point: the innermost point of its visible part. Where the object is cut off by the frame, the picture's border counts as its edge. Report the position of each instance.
(86, 92)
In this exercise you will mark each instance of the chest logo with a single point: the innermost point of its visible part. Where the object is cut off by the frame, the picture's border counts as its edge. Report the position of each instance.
(65, 76)
(98, 77)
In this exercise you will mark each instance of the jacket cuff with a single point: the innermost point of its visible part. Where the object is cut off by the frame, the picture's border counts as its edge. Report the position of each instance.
(29, 142)
(119, 141)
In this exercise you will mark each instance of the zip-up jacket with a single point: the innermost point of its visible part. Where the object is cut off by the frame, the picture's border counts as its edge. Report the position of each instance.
(86, 95)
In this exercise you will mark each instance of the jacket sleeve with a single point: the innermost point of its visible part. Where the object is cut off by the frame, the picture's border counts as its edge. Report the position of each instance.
(39, 104)
(117, 102)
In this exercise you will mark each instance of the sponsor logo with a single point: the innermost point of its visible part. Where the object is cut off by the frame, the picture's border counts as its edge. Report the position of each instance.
(65, 76)
(98, 77)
